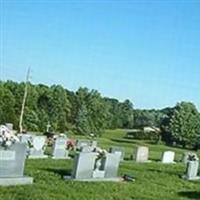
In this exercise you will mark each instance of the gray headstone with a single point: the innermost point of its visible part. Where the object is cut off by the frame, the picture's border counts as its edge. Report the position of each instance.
(86, 149)
(84, 165)
(12, 161)
(81, 143)
(60, 151)
(192, 170)
(94, 144)
(118, 150)
(111, 165)
(168, 157)
(24, 138)
(142, 154)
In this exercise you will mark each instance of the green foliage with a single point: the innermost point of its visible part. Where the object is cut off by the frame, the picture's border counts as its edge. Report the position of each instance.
(148, 118)
(7, 105)
(183, 125)
(86, 111)
(92, 113)
(121, 114)
(82, 123)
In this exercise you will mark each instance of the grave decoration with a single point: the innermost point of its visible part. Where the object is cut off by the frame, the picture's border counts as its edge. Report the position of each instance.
(12, 159)
(95, 166)
(187, 156)
(118, 150)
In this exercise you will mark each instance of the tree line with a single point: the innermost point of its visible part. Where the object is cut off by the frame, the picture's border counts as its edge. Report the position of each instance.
(87, 111)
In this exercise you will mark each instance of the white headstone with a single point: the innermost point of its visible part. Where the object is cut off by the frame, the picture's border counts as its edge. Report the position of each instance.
(168, 157)
(142, 154)
(38, 142)
(37, 151)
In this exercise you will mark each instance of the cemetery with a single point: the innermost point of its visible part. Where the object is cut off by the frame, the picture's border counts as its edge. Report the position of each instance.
(109, 165)
(99, 100)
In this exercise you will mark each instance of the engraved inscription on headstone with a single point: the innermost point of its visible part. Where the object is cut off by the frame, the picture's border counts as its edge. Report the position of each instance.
(7, 155)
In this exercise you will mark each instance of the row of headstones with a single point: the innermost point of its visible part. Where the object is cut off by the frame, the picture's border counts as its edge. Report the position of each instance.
(38, 146)
(87, 166)
(59, 147)
(168, 157)
(142, 155)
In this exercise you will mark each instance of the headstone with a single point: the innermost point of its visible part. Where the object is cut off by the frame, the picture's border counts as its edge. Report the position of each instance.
(81, 143)
(111, 165)
(168, 157)
(86, 149)
(142, 154)
(9, 126)
(37, 150)
(84, 165)
(60, 151)
(25, 138)
(118, 150)
(91, 167)
(192, 170)
(12, 162)
(94, 144)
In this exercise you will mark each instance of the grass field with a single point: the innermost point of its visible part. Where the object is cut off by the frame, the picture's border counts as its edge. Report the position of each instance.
(154, 181)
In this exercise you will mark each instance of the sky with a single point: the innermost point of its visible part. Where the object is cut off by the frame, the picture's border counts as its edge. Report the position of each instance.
(145, 51)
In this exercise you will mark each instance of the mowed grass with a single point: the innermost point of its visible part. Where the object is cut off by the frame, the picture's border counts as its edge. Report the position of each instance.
(154, 181)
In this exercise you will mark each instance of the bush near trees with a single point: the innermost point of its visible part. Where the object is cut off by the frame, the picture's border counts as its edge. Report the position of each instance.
(86, 111)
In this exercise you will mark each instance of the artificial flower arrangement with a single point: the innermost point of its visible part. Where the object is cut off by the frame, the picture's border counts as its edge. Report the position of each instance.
(101, 155)
(7, 137)
(192, 157)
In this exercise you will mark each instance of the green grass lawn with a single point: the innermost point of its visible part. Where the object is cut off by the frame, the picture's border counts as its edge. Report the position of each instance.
(154, 181)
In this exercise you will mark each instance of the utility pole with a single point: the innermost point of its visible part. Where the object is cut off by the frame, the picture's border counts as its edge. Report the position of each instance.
(48, 127)
(24, 101)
